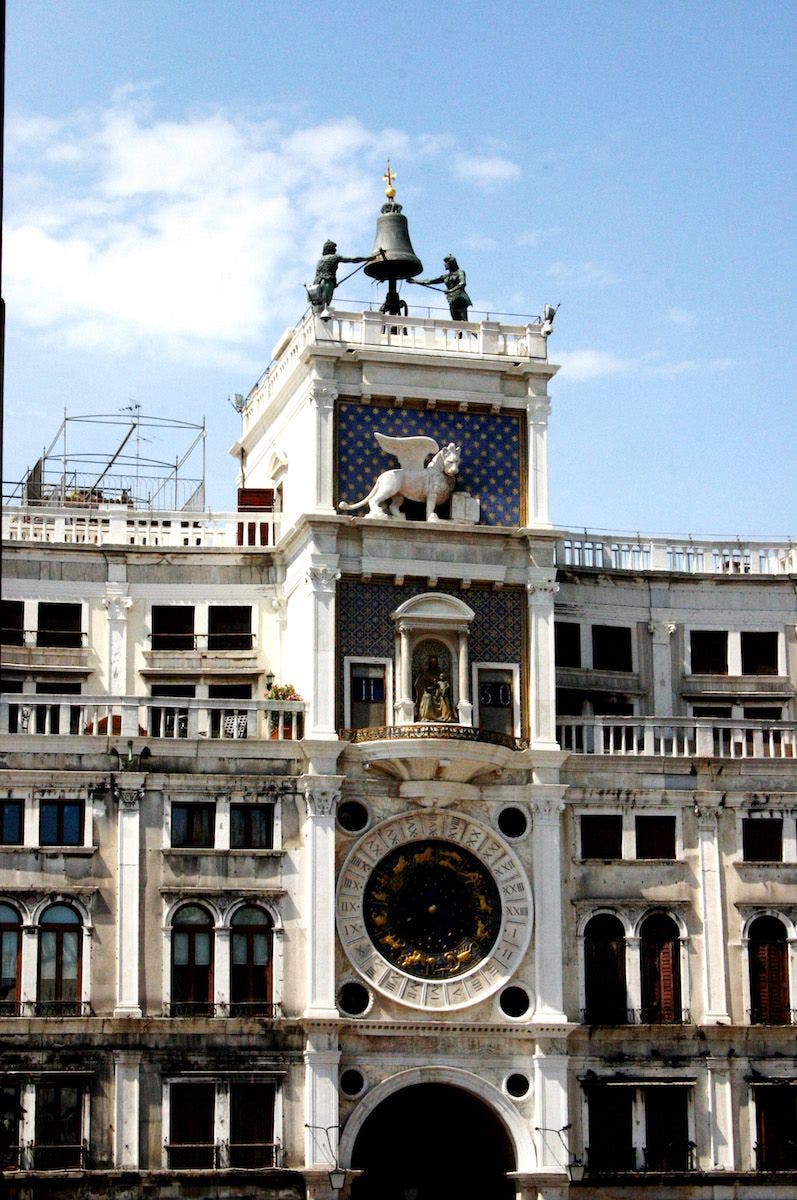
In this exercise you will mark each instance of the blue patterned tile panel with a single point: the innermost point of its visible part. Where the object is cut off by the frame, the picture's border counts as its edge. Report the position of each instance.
(492, 452)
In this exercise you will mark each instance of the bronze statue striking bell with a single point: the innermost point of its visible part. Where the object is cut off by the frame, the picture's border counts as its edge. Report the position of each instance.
(398, 260)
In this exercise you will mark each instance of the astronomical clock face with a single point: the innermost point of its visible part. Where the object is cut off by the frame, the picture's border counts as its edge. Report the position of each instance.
(434, 910)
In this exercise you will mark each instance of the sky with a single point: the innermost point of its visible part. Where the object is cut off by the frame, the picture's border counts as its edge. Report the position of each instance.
(172, 168)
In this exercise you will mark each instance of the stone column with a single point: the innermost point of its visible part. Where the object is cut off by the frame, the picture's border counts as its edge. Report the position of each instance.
(715, 938)
(321, 1061)
(321, 795)
(720, 1116)
(542, 670)
(633, 978)
(29, 969)
(117, 603)
(465, 705)
(405, 703)
(538, 409)
(548, 805)
(323, 394)
(221, 969)
(128, 1003)
(662, 632)
(321, 717)
(126, 1064)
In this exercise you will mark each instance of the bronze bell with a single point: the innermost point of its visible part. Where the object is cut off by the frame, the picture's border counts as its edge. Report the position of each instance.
(397, 259)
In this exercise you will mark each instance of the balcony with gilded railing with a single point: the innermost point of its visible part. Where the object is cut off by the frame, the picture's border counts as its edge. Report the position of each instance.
(674, 737)
(432, 334)
(720, 556)
(117, 525)
(149, 716)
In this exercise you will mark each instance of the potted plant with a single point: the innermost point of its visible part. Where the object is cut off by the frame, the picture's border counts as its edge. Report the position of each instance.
(284, 691)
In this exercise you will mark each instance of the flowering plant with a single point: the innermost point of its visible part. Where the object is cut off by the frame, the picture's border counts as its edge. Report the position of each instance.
(282, 691)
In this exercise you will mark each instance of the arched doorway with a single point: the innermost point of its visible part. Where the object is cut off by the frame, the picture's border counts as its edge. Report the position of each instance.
(438, 1139)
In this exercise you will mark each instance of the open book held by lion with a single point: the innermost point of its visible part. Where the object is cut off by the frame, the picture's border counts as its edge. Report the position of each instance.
(415, 479)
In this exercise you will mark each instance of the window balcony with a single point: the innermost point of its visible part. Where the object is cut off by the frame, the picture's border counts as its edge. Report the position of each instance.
(216, 1156)
(62, 1008)
(425, 730)
(673, 737)
(60, 1157)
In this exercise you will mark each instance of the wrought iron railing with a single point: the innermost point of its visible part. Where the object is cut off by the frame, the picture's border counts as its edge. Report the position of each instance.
(613, 1158)
(192, 1156)
(421, 732)
(772, 1014)
(192, 1008)
(263, 1010)
(59, 1157)
(62, 1008)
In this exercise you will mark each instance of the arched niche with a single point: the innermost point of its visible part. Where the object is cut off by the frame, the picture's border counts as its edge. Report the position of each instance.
(432, 641)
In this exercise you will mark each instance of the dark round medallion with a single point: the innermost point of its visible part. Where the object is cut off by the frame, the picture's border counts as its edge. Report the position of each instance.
(432, 909)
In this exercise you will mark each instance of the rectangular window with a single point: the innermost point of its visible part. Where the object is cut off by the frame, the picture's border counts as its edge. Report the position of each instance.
(602, 836)
(61, 822)
(610, 1145)
(496, 700)
(655, 837)
(59, 1120)
(709, 651)
(762, 839)
(776, 1127)
(59, 625)
(252, 1125)
(567, 636)
(12, 622)
(611, 648)
(368, 697)
(172, 627)
(251, 826)
(10, 1114)
(229, 722)
(667, 1145)
(193, 825)
(12, 817)
(759, 653)
(48, 716)
(191, 1125)
(230, 627)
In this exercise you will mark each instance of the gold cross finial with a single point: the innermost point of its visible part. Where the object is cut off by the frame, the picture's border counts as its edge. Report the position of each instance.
(389, 176)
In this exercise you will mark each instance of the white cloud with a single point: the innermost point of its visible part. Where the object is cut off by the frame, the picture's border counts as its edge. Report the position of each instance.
(681, 316)
(587, 364)
(486, 171)
(586, 274)
(193, 233)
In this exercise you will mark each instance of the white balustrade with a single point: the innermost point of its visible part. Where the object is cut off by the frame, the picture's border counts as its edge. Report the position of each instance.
(671, 737)
(617, 553)
(121, 526)
(151, 716)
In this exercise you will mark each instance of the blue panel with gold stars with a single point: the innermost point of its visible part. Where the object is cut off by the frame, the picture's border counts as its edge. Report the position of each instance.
(491, 467)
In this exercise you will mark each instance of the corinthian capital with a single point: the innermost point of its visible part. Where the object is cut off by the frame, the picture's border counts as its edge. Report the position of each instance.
(117, 606)
(323, 395)
(323, 579)
(661, 630)
(321, 799)
(542, 588)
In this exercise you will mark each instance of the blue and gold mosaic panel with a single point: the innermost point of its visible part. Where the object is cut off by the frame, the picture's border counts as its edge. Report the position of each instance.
(492, 452)
(365, 628)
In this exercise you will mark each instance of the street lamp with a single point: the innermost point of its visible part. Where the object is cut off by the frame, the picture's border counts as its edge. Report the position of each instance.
(337, 1178)
(576, 1170)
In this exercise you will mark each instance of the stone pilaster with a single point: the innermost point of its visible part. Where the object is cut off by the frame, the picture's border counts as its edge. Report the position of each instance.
(715, 938)
(538, 409)
(321, 1062)
(541, 590)
(320, 795)
(547, 806)
(117, 603)
(321, 718)
(323, 394)
(550, 1107)
(128, 1002)
(662, 632)
(126, 1064)
(720, 1115)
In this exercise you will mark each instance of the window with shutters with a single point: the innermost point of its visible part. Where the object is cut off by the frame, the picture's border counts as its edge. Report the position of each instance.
(660, 965)
(606, 1000)
(192, 962)
(10, 960)
(59, 1126)
(60, 962)
(776, 1127)
(250, 963)
(769, 972)
(762, 839)
(217, 1124)
(639, 1126)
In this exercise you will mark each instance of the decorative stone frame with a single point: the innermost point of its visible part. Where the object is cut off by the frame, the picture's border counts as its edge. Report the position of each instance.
(687, 1083)
(514, 668)
(789, 819)
(631, 916)
(787, 915)
(352, 660)
(491, 973)
(446, 618)
(502, 1106)
(628, 845)
(221, 1108)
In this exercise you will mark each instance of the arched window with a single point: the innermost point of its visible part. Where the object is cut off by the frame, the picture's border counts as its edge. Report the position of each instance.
(660, 961)
(192, 962)
(604, 971)
(769, 972)
(60, 952)
(250, 962)
(10, 934)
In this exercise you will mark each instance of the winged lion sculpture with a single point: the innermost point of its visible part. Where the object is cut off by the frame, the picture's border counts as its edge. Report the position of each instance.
(415, 479)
